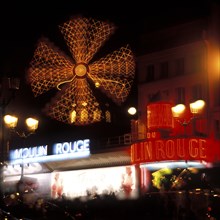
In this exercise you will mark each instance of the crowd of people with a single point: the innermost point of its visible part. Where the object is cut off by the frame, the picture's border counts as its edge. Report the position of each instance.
(150, 206)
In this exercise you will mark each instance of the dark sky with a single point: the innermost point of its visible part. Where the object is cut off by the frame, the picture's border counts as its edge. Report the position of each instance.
(22, 23)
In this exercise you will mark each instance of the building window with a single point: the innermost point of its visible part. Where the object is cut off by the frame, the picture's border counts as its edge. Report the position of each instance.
(84, 115)
(97, 115)
(107, 116)
(150, 73)
(196, 64)
(73, 116)
(197, 92)
(164, 70)
(179, 66)
(180, 95)
(217, 92)
(165, 95)
(217, 129)
(154, 97)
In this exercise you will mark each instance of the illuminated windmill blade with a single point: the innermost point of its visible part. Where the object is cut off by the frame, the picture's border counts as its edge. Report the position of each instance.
(85, 36)
(75, 105)
(48, 68)
(75, 102)
(114, 74)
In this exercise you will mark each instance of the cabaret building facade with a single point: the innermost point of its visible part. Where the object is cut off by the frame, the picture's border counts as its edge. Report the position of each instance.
(177, 69)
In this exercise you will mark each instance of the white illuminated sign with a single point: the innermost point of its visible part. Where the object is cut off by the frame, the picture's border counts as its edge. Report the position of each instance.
(71, 147)
(61, 151)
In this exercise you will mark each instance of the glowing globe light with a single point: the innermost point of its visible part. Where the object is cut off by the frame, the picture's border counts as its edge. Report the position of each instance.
(178, 110)
(132, 110)
(32, 124)
(197, 106)
(10, 121)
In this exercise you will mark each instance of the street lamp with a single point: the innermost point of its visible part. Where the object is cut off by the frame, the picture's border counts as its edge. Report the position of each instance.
(196, 109)
(132, 110)
(8, 88)
(178, 111)
(134, 123)
(32, 125)
(12, 121)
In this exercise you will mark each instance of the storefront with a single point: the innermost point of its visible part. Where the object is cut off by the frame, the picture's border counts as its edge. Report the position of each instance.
(70, 170)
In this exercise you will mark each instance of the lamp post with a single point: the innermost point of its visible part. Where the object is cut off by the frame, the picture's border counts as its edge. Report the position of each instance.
(196, 109)
(178, 111)
(134, 123)
(11, 122)
(8, 87)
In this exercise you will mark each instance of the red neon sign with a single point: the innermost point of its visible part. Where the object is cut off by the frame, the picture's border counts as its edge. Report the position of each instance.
(171, 149)
(159, 116)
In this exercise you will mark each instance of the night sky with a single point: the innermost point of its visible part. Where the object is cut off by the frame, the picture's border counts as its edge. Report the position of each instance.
(22, 24)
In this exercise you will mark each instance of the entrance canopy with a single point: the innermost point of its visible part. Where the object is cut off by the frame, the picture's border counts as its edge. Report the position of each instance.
(111, 157)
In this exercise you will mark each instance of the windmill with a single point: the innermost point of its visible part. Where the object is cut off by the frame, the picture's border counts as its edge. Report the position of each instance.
(76, 78)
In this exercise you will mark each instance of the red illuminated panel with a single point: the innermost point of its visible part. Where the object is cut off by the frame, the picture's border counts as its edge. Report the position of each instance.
(171, 149)
(159, 116)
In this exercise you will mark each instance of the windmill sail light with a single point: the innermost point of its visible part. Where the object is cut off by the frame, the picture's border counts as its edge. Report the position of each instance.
(50, 68)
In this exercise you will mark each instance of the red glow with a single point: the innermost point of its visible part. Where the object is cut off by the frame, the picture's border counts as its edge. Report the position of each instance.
(173, 149)
(159, 116)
